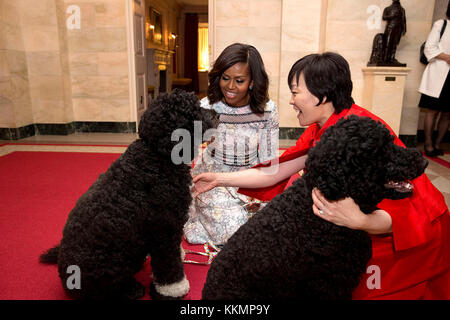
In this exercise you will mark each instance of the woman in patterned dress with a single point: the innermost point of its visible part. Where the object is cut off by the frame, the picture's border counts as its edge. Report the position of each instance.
(247, 135)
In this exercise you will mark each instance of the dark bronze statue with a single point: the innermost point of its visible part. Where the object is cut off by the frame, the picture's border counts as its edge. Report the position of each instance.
(385, 44)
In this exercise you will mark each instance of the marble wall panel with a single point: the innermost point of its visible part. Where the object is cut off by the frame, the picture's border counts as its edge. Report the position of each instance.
(14, 87)
(264, 13)
(271, 62)
(23, 109)
(9, 12)
(298, 38)
(44, 63)
(83, 63)
(410, 120)
(265, 40)
(350, 10)
(13, 70)
(49, 111)
(40, 38)
(297, 12)
(12, 37)
(7, 117)
(43, 87)
(67, 84)
(47, 97)
(100, 87)
(115, 109)
(87, 109)
(37, 13)
(17, 63)
(4, 68)
(112, 63)
(110, 14)
(232, 13)
(98, 40)
(98, 60)
(300, 34)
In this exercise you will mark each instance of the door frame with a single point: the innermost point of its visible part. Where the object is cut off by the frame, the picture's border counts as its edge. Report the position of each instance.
(131, 62)
(132, 85)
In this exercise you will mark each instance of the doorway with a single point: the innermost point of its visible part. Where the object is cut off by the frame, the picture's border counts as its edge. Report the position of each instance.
(157, 43)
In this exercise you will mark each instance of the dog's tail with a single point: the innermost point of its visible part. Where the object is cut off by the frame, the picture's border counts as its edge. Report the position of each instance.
(50, 256)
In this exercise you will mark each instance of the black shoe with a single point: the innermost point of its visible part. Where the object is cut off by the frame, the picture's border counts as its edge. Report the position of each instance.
(438, 152)
(431, 154)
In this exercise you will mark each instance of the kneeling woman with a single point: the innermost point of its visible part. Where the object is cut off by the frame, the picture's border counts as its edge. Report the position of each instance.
(410, 237)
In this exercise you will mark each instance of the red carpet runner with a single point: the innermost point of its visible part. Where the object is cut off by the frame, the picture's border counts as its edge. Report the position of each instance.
(37, 192)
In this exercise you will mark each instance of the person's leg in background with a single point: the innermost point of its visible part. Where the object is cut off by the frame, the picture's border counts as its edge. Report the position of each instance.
(443, 125)
(428, 127)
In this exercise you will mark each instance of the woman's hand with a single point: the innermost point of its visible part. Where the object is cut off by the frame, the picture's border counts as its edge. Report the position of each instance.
(204, 182)
(445, 57)
(342, 212)
(346, 213)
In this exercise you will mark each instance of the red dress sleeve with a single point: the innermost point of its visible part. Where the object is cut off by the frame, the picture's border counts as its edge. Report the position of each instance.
(302, 146)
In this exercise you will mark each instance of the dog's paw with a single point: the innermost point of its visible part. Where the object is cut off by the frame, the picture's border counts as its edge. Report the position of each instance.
(157, 296)
(174, 291)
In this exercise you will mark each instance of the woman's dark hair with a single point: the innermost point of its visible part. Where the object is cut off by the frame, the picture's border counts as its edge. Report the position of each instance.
(231, 55)
(327, 75)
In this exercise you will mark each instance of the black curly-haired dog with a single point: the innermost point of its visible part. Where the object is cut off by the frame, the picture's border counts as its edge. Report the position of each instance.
(287, 252)
(136, 208)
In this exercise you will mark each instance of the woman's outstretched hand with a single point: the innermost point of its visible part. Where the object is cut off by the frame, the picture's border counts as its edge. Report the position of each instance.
(204, 182)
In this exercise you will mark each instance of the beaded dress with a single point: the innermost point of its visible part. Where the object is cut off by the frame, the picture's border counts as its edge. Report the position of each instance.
(243, 140)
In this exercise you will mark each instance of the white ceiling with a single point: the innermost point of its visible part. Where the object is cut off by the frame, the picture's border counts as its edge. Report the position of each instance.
(194, 2)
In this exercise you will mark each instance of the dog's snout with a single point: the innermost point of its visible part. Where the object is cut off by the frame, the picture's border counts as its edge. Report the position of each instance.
(424, 164)
(215, 120)
(211, 118)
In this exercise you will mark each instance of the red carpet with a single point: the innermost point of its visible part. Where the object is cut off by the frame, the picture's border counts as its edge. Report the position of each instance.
(37, 192)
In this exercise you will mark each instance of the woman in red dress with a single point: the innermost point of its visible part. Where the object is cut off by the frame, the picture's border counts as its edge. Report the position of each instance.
(410, 237)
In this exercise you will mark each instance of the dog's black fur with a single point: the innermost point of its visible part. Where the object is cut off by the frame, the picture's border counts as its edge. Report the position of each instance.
(287, 252)
(136, 208)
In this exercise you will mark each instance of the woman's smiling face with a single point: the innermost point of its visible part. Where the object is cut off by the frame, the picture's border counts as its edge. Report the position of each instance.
(306, 104)
(234, 84)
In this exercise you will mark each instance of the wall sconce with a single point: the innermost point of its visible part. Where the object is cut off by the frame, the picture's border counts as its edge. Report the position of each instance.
(148, 29)
(172, 41)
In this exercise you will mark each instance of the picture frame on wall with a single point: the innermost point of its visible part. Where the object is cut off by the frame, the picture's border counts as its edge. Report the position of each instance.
(156, 20)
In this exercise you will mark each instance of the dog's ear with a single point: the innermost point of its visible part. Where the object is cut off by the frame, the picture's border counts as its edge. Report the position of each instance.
(405, 162)
(167, 113)
(348, 161)
(154, 123)
(403, 166)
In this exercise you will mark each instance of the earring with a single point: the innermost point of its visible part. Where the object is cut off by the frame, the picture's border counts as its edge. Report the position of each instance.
(250, 88)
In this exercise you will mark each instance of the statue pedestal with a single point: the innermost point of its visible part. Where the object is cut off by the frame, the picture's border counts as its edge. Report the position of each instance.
(383, 93)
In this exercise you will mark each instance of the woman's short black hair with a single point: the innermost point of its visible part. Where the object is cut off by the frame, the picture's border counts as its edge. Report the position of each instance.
(327, 75)
(235, 53)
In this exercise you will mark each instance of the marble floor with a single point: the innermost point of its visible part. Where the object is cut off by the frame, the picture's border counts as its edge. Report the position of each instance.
(438, 172)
